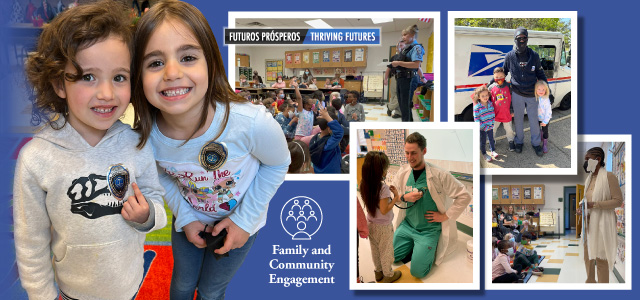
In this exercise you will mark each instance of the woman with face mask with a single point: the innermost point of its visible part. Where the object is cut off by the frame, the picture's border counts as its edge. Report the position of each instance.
(599, 236)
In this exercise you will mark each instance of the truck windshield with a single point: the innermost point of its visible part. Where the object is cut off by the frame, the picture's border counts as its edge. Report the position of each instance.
(547, 55)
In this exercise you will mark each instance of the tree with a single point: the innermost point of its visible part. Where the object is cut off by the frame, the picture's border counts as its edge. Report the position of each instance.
(541, 24)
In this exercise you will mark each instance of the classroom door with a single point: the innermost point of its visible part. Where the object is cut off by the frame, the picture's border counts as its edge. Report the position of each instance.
(572, 210)
(580, 195)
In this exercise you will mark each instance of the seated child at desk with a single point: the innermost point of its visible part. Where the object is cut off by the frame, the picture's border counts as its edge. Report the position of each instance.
(243, 81)
(279, 83)
(327, 84)
(353, 110)
(312, 84)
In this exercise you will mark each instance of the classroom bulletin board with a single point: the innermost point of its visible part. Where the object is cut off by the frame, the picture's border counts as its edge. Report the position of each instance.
(274, 68)
(340, 57)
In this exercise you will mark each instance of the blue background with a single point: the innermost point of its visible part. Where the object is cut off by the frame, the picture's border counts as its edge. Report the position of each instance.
(607, 69)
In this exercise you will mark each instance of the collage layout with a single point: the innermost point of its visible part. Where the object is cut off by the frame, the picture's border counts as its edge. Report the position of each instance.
(200, 156)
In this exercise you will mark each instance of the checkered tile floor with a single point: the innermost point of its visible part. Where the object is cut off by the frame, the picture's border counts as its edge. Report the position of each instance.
(563, 261)
(375, 112)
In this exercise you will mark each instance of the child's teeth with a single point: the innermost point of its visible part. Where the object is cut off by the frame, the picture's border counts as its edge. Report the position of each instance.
(103, 110)
(175, 92)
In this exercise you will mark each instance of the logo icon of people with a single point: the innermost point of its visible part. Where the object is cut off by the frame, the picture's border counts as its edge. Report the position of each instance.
(301, 217)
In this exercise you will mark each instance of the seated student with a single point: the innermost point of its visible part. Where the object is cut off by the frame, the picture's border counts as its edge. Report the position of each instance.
(243, 81)
(353, 110)
(279, 83)
(337, 104)
(257, 83)
(345, 138)
(336, 95)
(526, 256)
(325, 146)
(494, 247)
(327, 84)
(312, 84)
(287, 120)
(335, 82)
(303, 84)
(300, 158)
(268, 105)
(501, 271)
(279, 97)
(318, 99)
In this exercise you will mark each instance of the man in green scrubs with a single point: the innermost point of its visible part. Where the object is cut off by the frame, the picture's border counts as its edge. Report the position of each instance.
(420, 231)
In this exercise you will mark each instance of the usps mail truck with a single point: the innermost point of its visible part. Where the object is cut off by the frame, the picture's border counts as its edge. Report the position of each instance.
(480, 50)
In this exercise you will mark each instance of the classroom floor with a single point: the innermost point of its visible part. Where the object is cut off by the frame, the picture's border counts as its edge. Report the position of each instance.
(455, 268)
(563, 260)
(377, 113)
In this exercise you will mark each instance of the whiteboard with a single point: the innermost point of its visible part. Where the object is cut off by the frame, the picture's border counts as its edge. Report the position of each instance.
(448, 144)
(547, 218)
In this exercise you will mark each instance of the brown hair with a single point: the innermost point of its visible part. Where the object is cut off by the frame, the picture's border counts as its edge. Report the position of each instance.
(479, 90)
(416, 138)
(373, 167)
(219, 89)
(300, 157)
(498, 70)
(59, 43)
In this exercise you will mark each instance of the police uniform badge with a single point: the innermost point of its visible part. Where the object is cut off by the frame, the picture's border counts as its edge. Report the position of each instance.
(533, 68)
(213, 155)
(118, 179)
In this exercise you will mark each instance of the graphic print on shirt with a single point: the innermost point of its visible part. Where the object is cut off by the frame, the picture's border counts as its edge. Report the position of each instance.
(91, 198)
(499, 99)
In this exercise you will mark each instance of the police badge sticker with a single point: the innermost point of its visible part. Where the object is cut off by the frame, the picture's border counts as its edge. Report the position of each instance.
(118, 179)
(213, 155)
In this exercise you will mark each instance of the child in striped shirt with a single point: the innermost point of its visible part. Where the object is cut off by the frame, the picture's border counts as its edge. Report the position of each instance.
(483, 113)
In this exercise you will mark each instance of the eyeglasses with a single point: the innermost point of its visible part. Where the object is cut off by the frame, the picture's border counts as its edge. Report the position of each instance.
(522, 39)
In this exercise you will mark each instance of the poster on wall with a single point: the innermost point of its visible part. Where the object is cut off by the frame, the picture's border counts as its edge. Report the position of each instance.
(494, 194)
(505, 193)
(316, 57)
(527, 192)
(305, 57)
(537, 192)
(296, 59)
(289, 58)
(359, 54)
(336, 56)
(325, 56)
(347, 56)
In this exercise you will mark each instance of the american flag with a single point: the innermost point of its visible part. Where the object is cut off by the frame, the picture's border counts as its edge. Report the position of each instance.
(426, 20)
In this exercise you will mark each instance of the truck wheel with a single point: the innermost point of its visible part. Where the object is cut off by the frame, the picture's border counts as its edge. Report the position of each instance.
(566, 102)
(467, 115)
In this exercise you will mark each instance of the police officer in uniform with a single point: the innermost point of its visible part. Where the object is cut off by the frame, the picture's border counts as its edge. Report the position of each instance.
(407, 68)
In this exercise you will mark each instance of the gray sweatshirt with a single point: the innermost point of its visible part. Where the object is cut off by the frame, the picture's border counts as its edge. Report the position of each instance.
(358, 109)
(63, 204)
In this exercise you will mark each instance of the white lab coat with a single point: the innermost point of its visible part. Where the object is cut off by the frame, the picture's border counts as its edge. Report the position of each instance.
(451, 198)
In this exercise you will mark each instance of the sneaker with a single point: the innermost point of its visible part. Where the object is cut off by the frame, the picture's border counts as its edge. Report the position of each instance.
(388, 112)
(541, 269)
(512, 146)
(379, 275)
(518, 148)
(537, 273)
(493, 154)
(396, 116)
(487, 157)
(538, 150)
(396, 275)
